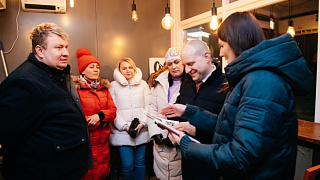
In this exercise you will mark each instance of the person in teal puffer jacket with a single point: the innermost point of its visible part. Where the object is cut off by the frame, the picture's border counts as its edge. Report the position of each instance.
(255, 134)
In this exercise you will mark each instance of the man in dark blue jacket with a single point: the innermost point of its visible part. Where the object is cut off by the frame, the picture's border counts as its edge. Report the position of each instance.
(43, 131)
(203, 87)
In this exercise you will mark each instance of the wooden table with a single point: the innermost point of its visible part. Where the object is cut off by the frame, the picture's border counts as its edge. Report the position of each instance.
(309, 134)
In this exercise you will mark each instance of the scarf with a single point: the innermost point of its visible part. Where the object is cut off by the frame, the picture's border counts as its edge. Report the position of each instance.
(93, 85)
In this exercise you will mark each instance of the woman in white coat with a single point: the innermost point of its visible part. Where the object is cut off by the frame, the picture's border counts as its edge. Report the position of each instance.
(167, 157)
(131, 95)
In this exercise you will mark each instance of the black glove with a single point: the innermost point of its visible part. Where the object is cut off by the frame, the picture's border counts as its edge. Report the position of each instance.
(157, 138)
(133, 125)
(166, 141)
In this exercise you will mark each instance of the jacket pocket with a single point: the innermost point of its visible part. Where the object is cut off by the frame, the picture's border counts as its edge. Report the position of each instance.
(68, 143)
(252, 114)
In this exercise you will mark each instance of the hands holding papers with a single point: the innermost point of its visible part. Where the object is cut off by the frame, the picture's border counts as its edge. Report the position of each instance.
(167, 124)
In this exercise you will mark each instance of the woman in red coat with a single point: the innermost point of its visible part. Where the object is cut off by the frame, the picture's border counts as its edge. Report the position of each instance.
(99, 109)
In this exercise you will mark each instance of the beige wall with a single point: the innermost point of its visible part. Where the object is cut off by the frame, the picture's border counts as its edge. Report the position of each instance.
(103, 26)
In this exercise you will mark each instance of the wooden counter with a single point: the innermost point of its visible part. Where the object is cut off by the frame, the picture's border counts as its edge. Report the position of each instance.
(309, 134)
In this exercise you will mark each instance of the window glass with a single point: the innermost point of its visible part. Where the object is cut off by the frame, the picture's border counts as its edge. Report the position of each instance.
(190, 8)
(305, 105)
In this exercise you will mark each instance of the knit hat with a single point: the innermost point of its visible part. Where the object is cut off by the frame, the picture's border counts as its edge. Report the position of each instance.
(173, 53)
(84, 59)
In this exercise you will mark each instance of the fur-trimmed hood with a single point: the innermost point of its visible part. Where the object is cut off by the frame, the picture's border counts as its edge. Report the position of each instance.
(104, 83)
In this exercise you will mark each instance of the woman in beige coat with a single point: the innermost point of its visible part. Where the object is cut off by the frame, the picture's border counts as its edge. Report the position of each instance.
(167, 157)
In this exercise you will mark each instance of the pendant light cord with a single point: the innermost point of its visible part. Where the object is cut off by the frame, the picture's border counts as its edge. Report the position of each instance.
(289, 9)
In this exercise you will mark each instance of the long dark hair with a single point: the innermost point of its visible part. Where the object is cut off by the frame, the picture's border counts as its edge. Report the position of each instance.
(241, 31)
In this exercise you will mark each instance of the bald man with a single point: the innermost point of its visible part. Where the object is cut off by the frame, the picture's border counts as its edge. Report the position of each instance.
(205, 87)
(197, 60)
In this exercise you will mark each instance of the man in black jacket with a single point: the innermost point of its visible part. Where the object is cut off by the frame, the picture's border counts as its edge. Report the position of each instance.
(205, 87)
(43, 131)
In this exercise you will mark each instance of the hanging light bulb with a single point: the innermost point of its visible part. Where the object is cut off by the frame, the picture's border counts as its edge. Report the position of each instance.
(134, 12)
(167, 22)
(72, 3)
(214, 21)
(290, 29)
(271, 23)
(271, 19)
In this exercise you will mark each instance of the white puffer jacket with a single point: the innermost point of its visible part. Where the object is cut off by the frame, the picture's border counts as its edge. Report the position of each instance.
(131, 99)
(167, 160)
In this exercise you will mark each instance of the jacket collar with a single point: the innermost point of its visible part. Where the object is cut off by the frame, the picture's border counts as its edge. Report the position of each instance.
(45, 67)
(213, 76)
(104, 83)
(163, 79)
(123, 81)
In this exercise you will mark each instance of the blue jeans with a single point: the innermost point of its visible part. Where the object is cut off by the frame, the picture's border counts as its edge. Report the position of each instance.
(133, 161)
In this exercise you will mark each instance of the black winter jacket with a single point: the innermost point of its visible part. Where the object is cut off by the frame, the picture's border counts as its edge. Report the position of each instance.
(43, 131)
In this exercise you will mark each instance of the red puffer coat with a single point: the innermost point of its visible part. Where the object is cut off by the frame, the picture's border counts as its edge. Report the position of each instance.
(93, 102)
